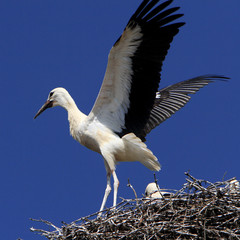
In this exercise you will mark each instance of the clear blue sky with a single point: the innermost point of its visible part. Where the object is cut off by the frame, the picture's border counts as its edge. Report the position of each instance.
(45, 44)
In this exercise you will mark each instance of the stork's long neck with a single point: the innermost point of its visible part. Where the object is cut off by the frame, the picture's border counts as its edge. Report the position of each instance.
(75, 117)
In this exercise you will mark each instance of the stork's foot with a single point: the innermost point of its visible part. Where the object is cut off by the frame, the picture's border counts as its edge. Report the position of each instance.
(99, 215)
(111, 210)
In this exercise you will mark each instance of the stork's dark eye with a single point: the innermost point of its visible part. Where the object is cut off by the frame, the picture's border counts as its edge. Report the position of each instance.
(50, 94)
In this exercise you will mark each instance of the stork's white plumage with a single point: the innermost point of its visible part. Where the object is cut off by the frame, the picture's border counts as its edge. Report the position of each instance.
(234, 186)
(152, 191)
(129, 104)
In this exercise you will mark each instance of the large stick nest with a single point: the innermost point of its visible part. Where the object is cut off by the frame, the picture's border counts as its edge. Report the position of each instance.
(200, 210)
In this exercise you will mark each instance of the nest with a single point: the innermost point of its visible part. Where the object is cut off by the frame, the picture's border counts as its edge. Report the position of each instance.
(200, 210)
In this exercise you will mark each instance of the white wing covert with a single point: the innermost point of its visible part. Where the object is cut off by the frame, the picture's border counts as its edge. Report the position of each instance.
(132, 77)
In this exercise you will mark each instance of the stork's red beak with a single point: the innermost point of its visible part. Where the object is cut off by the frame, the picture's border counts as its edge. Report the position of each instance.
(47, 104)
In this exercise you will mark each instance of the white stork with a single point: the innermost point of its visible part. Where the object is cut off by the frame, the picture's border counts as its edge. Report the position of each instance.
(129, 104)
(234, 186)
(152, 191)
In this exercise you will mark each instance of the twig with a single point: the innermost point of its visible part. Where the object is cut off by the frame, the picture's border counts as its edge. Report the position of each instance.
(130, 185)
(211, 212)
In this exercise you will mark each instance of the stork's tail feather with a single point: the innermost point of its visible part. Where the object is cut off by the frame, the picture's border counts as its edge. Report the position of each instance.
(139, 152)
(151, 163)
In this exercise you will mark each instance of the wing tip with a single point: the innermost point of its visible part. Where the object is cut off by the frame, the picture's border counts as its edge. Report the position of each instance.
(147, 11)
(213, 77)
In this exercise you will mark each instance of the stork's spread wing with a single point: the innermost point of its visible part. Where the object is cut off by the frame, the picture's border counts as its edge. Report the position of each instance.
(172, 98)
(132, 77)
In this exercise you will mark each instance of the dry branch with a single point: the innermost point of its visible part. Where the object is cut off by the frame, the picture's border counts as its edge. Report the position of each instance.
(200, 210)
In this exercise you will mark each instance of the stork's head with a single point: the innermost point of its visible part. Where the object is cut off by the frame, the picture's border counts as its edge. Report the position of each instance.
(57, 97)
(151, 190)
